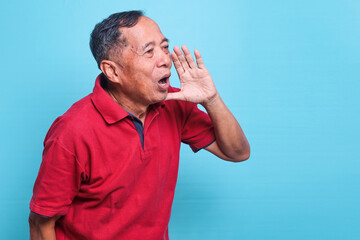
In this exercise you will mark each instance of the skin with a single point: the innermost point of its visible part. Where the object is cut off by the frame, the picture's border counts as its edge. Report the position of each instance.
(134, 75)
(42, 228)
(134, 84)
(197, 86)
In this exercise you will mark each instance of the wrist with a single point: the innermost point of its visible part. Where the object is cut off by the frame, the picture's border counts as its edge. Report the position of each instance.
(212, 102)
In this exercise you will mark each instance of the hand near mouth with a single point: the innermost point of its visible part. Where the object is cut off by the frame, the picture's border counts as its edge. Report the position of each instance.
(197, 86)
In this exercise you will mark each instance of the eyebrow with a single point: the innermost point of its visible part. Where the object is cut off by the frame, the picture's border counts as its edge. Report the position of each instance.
(153, 43)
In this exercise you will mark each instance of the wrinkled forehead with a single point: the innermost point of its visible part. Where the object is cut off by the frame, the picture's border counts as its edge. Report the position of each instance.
(146, 30)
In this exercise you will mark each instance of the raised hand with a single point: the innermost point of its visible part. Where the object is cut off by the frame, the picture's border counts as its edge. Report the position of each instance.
(197, 85)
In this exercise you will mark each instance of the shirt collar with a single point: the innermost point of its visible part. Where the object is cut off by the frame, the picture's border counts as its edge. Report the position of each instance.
(107, 107)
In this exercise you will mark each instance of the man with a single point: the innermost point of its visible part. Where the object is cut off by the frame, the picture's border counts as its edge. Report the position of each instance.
(110, 162)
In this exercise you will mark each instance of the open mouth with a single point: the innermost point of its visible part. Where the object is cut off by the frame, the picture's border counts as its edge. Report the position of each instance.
(163, 81)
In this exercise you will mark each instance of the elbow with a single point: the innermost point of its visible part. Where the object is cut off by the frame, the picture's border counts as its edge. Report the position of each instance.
(245, 156)
(241, 156)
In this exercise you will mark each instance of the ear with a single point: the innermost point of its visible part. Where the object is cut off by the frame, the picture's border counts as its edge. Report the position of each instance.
(110, 69)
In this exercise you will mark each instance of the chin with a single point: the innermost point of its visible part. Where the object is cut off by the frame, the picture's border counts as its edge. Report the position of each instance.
(161, 97)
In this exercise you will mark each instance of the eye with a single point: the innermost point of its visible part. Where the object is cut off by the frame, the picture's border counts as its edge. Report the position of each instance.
(166, 48)
(149, 51)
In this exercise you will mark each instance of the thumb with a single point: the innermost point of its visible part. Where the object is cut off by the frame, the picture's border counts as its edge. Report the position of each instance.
(175, 96)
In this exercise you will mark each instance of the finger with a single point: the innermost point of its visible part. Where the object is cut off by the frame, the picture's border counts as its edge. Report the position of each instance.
(177, 64)
(175, 96)
(199, 60)
(188, 57)
(181, 58)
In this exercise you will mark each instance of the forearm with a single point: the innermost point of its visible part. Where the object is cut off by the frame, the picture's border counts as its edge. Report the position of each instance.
(197, 86)
(42, 228)
(230, 137)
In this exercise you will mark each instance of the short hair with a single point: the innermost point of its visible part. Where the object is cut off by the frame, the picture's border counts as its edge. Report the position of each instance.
(106, 34)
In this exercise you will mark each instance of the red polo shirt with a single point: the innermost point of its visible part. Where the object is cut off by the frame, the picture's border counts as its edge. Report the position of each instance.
(96, 173)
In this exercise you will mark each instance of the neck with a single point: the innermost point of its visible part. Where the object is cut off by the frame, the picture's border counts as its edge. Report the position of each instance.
(127, 104)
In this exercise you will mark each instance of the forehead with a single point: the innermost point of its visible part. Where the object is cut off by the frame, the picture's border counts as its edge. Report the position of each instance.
(146, 30)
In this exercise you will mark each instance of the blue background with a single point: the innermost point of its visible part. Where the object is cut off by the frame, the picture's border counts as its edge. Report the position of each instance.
(289, 71)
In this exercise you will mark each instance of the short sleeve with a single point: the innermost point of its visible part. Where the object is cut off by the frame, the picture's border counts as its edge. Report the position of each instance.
(198, 130)
(58, 181)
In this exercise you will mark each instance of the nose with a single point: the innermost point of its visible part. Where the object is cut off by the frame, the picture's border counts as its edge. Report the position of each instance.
(164, 59)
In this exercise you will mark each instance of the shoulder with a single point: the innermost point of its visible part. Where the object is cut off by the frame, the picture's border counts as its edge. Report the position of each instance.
(73, 123)
(173, 89)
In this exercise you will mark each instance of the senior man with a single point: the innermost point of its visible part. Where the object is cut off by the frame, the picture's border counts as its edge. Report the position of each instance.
(110, 163)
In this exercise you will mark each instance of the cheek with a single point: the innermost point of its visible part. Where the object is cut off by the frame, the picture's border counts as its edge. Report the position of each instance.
(142, 84)
(142, 75)
(144, 69)
(170, 61)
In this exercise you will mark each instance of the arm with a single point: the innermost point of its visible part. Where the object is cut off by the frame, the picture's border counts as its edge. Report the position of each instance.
(197, 86)
(42, 228)
(231, 143)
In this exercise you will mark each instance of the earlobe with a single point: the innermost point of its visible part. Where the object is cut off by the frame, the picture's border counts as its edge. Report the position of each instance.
(110, 70)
